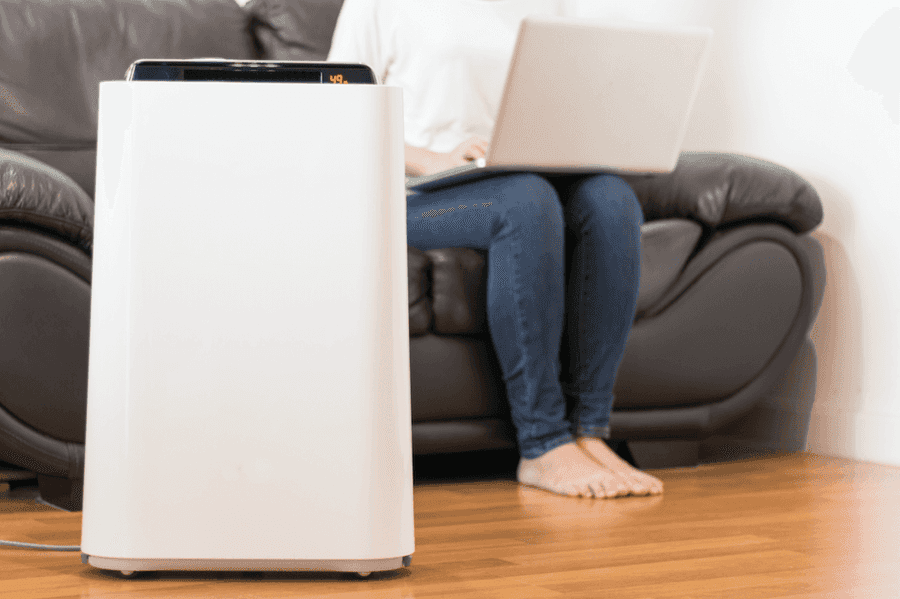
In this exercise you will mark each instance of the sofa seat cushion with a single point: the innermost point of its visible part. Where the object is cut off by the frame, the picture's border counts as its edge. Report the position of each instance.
(458, 291)
(447, 291)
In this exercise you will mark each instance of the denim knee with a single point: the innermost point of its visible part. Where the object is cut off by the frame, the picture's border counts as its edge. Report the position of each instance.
(530, 199)
(610, 194)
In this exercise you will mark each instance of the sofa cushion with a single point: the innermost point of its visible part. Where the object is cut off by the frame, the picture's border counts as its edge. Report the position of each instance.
(455, 279)
(294, 29)
(458, 291)
(419, 277)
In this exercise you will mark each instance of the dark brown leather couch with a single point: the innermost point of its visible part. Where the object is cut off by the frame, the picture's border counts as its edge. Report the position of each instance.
(731, 281)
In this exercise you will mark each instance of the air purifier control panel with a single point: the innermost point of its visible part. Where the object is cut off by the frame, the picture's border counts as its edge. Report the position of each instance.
(258, 71)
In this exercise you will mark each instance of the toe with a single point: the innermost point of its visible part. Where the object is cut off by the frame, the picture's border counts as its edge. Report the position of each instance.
(639, 487)
(618, 489)
(573, 491)
(598, 489)
(654, 487)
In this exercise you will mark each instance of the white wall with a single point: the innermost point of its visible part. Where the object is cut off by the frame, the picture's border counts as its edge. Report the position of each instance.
(815, 86)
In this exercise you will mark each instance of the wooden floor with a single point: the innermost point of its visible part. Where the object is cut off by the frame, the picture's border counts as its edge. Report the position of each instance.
(792, 526)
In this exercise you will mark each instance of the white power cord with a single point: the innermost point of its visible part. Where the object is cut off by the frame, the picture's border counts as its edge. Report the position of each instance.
(6, 477)
(39, 546)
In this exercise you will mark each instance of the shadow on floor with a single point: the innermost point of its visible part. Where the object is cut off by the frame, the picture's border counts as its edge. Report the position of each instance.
(498, 464)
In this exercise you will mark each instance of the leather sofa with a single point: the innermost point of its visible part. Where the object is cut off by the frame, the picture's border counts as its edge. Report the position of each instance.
(731, 280)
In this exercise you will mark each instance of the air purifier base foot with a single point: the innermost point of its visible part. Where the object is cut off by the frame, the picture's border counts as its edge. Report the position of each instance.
(360, 566)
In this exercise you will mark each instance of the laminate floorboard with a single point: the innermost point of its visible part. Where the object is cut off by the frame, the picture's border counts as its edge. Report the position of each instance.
(793, 526)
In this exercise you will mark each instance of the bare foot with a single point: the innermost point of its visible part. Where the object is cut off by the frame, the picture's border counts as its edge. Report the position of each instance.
(639, 483)
(568, 470)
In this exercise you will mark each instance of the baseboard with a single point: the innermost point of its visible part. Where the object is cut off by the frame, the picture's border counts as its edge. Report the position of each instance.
(652, 454)
(718, 449)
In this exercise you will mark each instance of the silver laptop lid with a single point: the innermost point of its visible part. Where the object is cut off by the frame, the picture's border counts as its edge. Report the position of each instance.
(584, 94)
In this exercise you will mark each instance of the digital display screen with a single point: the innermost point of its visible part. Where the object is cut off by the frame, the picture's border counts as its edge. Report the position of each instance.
(271, 75)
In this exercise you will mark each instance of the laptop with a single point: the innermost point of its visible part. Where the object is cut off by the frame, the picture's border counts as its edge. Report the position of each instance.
(584, 96)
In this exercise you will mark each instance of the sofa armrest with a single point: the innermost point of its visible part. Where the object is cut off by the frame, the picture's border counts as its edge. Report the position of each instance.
(42, 197)
(718, 189)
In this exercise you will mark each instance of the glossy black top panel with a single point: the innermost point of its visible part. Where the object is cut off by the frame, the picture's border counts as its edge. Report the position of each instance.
(250, 71)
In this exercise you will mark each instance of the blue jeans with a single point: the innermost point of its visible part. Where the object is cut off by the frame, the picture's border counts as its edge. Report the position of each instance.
(525, 223)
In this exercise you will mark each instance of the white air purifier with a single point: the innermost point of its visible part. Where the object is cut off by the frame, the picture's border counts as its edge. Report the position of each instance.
(248, 395)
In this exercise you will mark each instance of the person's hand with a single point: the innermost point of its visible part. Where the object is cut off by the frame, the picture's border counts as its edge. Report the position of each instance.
(420, 161)
(469, 150)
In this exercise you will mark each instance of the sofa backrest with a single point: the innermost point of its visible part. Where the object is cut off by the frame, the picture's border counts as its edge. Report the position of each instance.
(294, 29)
(54, 54)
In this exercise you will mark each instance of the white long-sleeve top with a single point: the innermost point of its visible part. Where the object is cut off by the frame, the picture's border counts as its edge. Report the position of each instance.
(450, 57)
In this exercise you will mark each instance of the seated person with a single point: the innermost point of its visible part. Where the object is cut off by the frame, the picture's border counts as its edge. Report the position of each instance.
(451, 58)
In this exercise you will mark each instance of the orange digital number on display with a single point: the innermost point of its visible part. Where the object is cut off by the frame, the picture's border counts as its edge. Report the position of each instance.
(337, 78)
